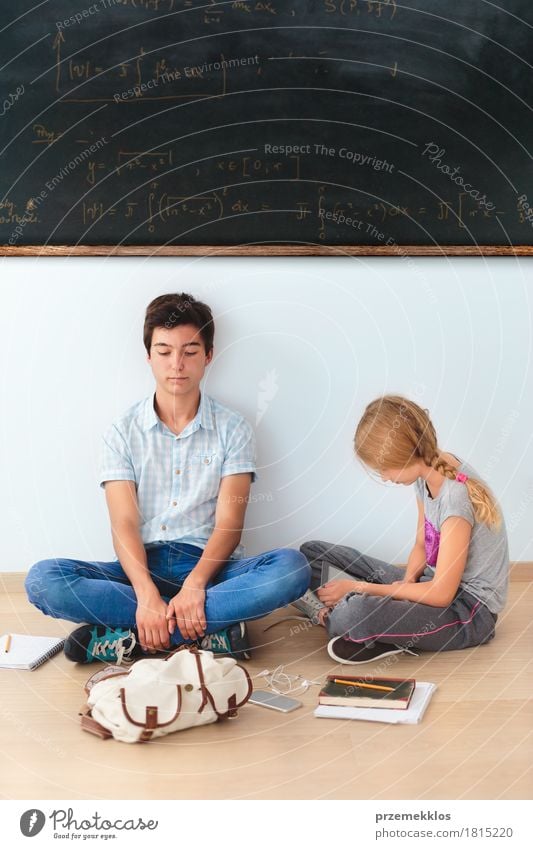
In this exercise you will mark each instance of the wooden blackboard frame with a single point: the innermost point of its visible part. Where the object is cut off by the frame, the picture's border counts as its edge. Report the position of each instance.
(267, 250)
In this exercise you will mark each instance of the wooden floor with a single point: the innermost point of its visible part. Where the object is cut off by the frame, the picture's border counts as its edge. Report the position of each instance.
(475, 742)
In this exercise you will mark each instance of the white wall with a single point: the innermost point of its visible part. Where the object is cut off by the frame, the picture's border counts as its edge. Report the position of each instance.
(304, 342)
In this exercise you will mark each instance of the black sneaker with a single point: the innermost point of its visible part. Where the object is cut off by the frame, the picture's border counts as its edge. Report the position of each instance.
(98, 642)
(346, 651)
(232, 641)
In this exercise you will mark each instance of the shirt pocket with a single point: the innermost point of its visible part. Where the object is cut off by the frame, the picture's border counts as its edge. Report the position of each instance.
(205, 468)
(204, 458)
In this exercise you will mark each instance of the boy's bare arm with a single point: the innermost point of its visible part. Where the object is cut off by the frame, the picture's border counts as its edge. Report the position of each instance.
(124, 515)
(187, 608)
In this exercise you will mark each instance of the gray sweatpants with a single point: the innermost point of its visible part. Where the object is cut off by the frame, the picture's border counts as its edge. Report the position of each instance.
(366, 619)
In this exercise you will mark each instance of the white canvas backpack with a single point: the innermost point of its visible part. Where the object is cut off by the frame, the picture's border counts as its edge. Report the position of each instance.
(155, 697)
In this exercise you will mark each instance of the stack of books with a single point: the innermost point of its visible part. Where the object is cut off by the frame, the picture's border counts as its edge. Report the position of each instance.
(376, 699)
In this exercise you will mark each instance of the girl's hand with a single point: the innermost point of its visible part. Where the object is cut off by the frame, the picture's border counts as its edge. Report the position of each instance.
(332, 592)
(322, 616)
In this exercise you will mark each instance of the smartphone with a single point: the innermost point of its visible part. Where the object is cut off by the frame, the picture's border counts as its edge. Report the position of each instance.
(272, 700)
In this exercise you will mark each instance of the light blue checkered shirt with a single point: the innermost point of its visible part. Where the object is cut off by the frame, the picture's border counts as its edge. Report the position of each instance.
(178, 477)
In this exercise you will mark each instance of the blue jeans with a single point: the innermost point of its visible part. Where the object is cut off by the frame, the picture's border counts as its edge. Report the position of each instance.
(102, 593)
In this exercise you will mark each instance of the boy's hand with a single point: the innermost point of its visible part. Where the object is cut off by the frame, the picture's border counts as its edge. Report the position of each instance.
(187, 611)
(151, 622)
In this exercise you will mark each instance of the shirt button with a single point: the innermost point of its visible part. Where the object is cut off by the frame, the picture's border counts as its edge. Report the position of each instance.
(163, 527)
(178, 471)
(207, 460)
(174, 503)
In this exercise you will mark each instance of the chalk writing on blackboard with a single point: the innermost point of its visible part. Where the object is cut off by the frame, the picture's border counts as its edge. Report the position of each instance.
(162, 121)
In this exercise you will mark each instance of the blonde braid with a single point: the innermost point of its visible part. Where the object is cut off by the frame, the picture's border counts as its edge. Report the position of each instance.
(443, 468)
(485, 507)
(427, 445)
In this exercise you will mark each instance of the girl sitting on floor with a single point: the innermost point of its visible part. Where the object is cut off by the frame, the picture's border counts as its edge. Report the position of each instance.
(456, 579)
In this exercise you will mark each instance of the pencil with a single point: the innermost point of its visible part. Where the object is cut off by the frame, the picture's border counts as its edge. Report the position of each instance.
(360, 684)
(8, 643)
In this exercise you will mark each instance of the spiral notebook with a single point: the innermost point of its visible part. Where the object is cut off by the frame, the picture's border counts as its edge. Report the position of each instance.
(27, 652)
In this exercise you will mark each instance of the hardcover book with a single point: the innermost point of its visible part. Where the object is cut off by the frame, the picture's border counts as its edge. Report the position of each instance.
(367, 691)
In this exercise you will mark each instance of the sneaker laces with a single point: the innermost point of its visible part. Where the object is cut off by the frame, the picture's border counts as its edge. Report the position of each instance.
(123, 653)
(312, 600)
(309, 604)
(214, 641)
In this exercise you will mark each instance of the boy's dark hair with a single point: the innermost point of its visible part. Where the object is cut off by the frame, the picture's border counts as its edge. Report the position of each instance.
(171, 310)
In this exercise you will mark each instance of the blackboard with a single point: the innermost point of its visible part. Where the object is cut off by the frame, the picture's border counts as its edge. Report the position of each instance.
(265, 126)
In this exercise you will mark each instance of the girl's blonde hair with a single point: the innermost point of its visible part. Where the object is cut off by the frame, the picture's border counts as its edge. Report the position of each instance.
(395, 433)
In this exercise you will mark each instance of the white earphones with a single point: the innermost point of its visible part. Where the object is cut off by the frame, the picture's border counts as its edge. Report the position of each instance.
(282, 683)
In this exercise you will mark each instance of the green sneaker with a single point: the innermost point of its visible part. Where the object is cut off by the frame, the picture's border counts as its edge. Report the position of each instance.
(232, 641)
(98, 642)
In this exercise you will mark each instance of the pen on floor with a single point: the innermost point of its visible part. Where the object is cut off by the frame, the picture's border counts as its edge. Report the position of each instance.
(8, 643)
(360, 684)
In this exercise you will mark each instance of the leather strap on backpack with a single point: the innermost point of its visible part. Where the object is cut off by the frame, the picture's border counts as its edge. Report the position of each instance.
(91, 725)
(232, 707)
(206, 694)
(103, 675)
(150, 723)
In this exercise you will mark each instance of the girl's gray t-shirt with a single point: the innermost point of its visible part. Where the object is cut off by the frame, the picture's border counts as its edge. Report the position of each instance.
(486, 574)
